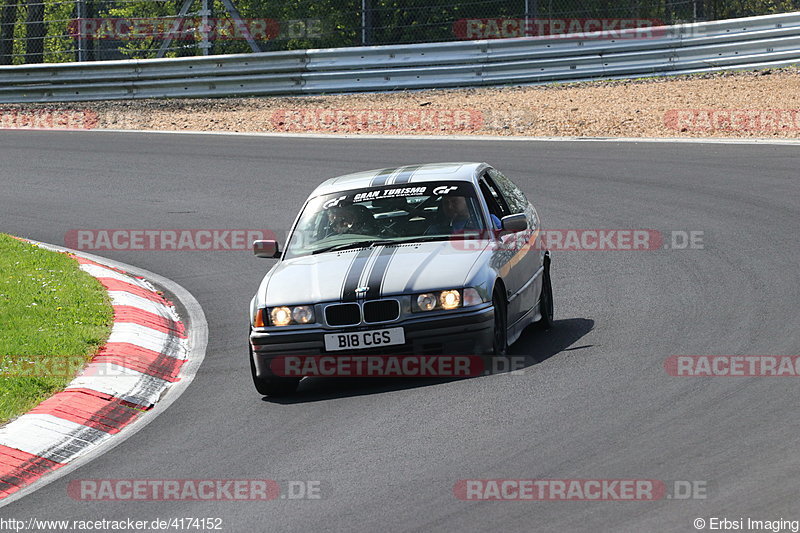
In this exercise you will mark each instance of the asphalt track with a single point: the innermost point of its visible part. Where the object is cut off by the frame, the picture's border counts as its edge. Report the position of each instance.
(594, 400)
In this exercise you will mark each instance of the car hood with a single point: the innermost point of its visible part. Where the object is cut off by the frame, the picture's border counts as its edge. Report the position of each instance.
(385, 270)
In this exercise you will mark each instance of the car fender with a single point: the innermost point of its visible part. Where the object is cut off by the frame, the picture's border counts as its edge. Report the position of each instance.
(483, 277)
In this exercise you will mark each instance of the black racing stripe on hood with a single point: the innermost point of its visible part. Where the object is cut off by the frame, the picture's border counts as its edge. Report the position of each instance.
(382, 177)
(354, 274)
(379, 268)
(405, 174)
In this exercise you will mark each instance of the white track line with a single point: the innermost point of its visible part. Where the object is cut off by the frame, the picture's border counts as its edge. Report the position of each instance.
(481, 138)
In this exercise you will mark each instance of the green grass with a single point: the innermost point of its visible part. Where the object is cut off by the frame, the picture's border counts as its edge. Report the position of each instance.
(53, 318)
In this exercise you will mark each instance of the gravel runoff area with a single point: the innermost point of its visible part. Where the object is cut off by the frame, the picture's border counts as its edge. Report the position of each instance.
(760, 104)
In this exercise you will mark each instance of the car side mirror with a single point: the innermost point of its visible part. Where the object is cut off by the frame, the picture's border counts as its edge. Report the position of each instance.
(266, 249)
(515, 223)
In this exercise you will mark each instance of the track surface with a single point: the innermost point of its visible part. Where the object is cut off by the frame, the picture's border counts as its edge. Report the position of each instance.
(594, 402)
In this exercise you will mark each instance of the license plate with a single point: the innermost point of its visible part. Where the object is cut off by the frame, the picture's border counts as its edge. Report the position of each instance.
(359, 340)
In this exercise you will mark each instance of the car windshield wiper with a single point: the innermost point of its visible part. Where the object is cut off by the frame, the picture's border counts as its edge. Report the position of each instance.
(424, 238)
(430, 238)
(350, 245)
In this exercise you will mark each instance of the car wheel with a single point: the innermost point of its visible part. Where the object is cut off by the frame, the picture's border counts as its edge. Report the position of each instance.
(500, 344)
(273, 385)
(546, 299)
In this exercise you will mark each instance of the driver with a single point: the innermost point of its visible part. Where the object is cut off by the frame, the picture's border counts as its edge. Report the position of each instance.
(349, 219)
(454, 217)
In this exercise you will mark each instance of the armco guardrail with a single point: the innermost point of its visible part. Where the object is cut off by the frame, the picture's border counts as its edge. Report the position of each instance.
(749, 43)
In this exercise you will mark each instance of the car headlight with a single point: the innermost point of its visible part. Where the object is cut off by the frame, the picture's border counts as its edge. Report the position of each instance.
(280, 316)
(446, 300)
(450, 299)
(285, 315)
(303, 314)
(426, 302)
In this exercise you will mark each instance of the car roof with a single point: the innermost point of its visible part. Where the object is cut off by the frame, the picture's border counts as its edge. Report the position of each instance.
(434, 172)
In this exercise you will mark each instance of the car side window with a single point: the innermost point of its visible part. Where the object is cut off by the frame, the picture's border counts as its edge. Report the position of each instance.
(494, 200)
(515, 198)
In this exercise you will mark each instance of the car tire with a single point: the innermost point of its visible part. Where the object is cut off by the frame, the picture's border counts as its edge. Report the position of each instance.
(273, 385)
(500, 336)
(546, 299)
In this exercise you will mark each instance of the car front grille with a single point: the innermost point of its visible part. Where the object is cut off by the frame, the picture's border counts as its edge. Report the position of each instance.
(381, 311)
(342, 315)
(374, 311)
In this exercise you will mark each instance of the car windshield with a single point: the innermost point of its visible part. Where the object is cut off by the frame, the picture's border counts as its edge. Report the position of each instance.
(385, 215)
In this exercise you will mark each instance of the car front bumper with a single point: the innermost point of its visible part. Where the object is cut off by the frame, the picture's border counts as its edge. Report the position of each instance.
(464, 333)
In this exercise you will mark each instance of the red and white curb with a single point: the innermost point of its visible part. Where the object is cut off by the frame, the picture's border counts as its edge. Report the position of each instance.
(143, 358)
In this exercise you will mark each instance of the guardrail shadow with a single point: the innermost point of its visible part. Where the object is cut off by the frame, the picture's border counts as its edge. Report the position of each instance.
(533, 347)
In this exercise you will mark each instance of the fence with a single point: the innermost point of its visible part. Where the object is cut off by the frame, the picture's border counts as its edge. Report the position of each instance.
(755, 42)
(54, 31)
